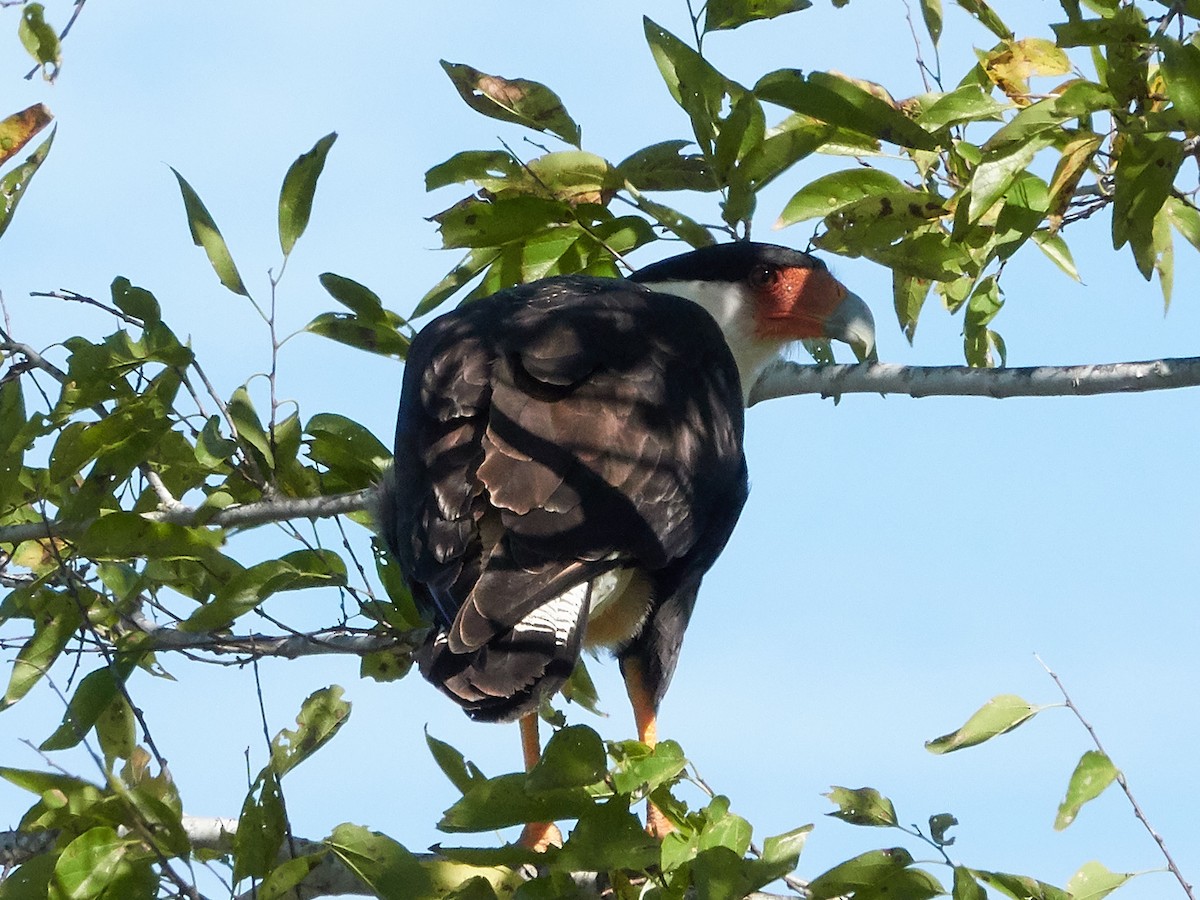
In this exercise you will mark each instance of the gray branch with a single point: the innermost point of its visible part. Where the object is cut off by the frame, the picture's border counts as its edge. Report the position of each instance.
(291, 646)
(329, 878)
(787, 379)
(245, 515)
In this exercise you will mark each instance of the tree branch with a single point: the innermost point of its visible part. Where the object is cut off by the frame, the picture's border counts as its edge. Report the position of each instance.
(328, 879)
(787, 379)
(291, 646)
(245, 515)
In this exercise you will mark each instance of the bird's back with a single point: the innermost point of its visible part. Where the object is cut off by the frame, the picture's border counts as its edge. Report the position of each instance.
(554, 439)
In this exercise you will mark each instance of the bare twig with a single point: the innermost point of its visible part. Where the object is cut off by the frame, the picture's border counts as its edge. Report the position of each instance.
(1121, 780)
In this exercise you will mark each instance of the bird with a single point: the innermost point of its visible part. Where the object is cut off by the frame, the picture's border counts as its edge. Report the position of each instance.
(569, 464)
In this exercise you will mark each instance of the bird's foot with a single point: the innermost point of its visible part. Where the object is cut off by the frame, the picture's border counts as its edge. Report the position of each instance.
(541, 836)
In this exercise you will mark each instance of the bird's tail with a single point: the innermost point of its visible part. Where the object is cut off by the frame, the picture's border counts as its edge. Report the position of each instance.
(509, 676)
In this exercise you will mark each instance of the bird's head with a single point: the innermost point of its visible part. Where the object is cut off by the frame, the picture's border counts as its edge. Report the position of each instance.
(765, 297)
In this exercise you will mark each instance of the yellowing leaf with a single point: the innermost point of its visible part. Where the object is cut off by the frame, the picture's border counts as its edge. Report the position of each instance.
(17, 130)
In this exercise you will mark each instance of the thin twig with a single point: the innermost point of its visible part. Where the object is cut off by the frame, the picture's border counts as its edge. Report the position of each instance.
(1121, 780)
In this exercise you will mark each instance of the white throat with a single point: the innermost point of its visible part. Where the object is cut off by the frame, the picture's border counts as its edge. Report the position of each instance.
(728, 303)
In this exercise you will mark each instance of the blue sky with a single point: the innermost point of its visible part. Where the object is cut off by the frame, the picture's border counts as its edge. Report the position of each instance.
(899, 561)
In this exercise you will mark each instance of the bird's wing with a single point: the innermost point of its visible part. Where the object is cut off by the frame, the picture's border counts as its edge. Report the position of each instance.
(551, 433)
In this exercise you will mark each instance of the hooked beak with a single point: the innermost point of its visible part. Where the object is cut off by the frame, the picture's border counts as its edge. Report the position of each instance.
(852, 323)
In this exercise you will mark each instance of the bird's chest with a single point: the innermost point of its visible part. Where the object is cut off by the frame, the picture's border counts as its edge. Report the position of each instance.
(619, 604)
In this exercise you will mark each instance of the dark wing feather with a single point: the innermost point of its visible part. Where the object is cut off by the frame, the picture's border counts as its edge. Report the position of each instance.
(547, 434)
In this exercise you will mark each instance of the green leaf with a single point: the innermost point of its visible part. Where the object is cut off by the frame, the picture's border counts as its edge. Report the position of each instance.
(939, 824)
(1145, 174)
(968, 103)
(40, 651)
(249, 428)
(40, 39)
(516, 100)
(374, 337)
(1181, 71)
(1021, 887)
(296, 195)
(492, 223)
(699, 89)
(352, 455)
(581, 690)
(115, 730)
(91, 698)
(1092, 775)
(13, 185)
(489, 169)
(721, 15)
(830, 193)
(206, 234)
(212, 449)
(135, 301)
(462, 773)
(1127, 54)
(780, 854)
(863, 872)
(321, 716)
(1058, 252)
(1078, 101)
(839, 101)
(285, 877)
(992, 22)
(608, 837)
(998, 716)
(931, 12)
(126, 535)
(385, 866)
(682, 226)
(505, 800)
(908, 295)
(1093, 881)
(261, 829)
(966, 887)
(719, 874)
(999, 170)
(641, 769)
(862, 806)
(30, 880)
(664, 167)
(782, 148)
(93, 863)
(471, 265)
(250, 587)
(1185, 218)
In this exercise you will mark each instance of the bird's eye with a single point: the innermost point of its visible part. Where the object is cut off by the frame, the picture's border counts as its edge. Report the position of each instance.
(761, 276)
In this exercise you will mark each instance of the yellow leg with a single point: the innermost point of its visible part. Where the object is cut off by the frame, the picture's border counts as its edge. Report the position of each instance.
(536, 836)
(645, 716)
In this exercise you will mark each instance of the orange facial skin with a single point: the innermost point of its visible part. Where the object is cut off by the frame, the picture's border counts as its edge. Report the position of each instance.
(794, 303)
